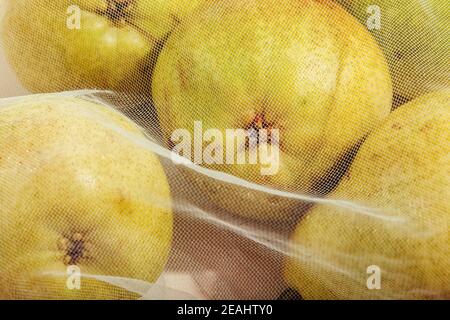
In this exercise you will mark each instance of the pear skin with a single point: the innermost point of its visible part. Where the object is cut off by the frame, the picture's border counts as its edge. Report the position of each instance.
(88, 44)
(401, 178)
(414, 37)
(77, 191)
(322, 82)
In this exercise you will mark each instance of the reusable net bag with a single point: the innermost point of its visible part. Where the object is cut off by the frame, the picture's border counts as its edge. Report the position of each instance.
(226, 149)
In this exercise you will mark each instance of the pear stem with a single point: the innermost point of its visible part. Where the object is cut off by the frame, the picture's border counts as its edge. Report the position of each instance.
(260, 122)
(117, 10)
(74, 249)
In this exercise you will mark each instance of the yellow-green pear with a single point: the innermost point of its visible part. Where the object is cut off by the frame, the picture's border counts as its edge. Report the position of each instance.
(414, 35)
(393, 241)
(306, 69)
(79, 198)
(77, 44)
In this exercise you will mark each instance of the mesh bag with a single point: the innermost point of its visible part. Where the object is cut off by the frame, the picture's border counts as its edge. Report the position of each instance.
(226, 149)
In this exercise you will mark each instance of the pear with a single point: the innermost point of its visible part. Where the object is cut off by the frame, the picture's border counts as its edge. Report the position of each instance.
(414, 36)
(395, 237)
(321, 82)
(77, 44)
(78, 197)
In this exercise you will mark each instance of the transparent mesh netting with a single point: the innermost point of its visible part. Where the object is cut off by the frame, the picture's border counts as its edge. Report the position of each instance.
(226, 149)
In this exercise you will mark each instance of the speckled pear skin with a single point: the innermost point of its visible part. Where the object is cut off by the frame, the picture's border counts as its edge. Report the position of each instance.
(414, 36)
(114, 48)
(308, 68)
(75, 190)
(401, 174)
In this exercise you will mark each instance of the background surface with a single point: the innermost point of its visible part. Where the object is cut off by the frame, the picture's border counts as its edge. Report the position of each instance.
(9, 85)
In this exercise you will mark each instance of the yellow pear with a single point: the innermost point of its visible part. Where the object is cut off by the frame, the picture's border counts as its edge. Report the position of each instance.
(305, 68)
(414, 37)
(77, 44)
(78, 197)
(393, 242)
